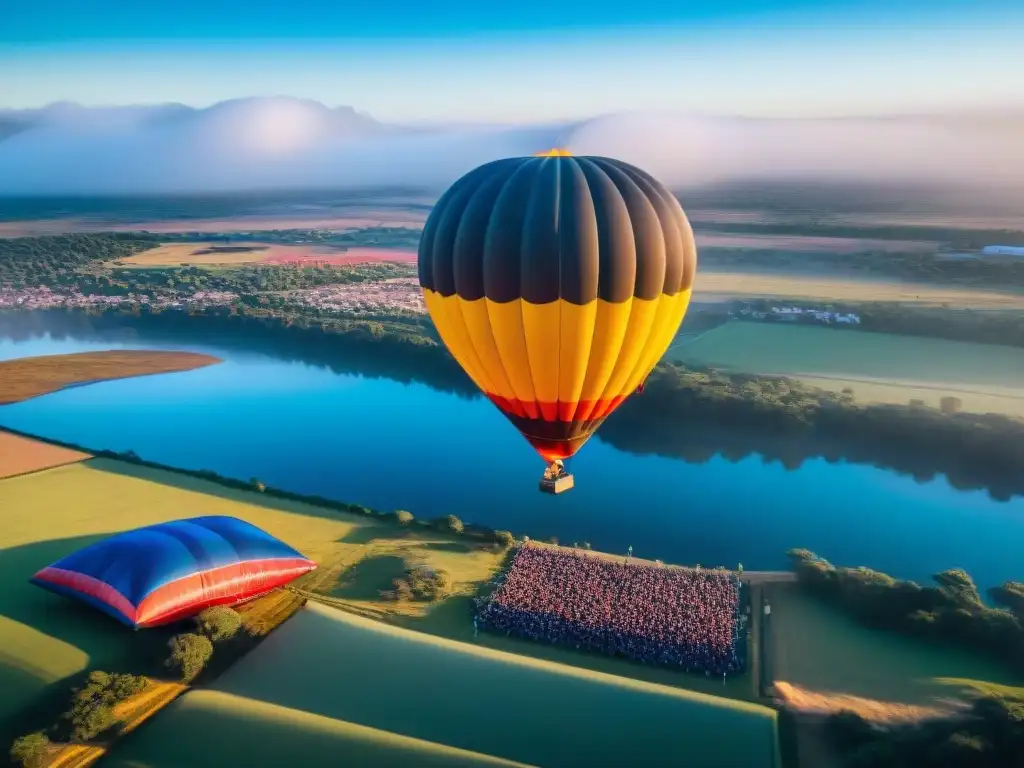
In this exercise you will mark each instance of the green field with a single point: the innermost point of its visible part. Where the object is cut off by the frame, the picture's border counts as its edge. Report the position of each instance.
(418, 695)
(878, 367)
(326, 672)
(45, 640)
(208, 728)
(819, 648)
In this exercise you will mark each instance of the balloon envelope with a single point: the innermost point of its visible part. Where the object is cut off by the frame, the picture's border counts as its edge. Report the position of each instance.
(557, 283)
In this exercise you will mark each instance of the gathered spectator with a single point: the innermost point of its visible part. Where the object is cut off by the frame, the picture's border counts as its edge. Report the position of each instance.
(678, 617)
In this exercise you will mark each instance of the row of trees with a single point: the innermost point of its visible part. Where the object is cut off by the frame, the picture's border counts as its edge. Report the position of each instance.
(974, 450)
(915, 267)
(92, 714)
(979, 326)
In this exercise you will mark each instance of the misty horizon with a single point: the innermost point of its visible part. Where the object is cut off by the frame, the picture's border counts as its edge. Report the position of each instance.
(280, 143)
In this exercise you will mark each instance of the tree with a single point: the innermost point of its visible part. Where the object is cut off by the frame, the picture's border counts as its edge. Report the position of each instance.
(959, 587)
(404, 517)
(189, 654)
(452, 524)
(90, 720)
(30, 751)
(219, 623)
(1009, 595)
(504, 539)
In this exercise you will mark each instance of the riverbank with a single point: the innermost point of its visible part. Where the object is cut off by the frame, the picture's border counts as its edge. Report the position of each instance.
(25, 378)
(360, 552)
(738, 414)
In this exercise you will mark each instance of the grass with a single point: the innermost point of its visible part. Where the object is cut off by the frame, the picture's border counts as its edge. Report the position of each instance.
(346, 674)
(982, 688)
(877, 367)
(721, 286)
(217, 725)
(818, 648)
(20, 455)
(177, 254)
(28, 377)
(47, 642)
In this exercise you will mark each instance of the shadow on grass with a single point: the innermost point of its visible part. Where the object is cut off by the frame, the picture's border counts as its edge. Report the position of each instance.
(451, 617)
(448, 546)
(369, 533)
(366, 579)
(31, 692)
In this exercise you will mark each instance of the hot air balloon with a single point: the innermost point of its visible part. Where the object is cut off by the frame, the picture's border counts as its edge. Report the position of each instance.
(557, 283)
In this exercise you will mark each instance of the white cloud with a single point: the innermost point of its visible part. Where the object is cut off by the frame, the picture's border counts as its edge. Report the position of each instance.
(281, 142)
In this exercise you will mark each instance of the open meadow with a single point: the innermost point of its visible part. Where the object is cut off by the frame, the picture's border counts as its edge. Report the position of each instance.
(822, 659)
(46, 515)
(249, 253)
(19, 455)
(728, 286)
(46, 639)
(809, 244)
(336, 676)
(877, 367)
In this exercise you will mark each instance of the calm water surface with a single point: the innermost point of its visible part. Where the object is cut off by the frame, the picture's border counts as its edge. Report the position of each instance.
(395, 446)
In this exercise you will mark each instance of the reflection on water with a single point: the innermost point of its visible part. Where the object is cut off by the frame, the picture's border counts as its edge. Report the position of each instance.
(391, 445)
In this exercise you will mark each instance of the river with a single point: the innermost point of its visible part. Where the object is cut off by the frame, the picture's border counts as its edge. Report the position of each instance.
(391, 445)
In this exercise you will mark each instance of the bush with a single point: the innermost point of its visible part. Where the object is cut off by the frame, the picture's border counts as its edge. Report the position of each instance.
(30, 751)
(451, 523)
(189, 654)
(92, 705)
(403, 517)
(401, 593)
(219, 623)
(421, 583)
(504, 539)
(88, 722)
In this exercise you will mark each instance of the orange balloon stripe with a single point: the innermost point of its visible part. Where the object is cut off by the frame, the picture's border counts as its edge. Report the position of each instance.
(557, 412)
(550, 450)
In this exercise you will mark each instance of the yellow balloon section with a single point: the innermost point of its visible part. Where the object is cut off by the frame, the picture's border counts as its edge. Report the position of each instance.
(557, 283)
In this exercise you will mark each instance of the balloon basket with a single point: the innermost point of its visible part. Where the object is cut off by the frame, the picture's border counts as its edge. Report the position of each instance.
(558, 485)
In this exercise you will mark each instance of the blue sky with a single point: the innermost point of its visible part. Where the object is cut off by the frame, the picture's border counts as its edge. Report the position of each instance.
(524, 60)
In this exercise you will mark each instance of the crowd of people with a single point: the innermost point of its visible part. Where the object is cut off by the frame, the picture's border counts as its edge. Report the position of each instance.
(686, 618)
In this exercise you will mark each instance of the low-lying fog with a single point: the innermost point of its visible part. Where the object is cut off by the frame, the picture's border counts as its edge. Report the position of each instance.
(268, 143)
